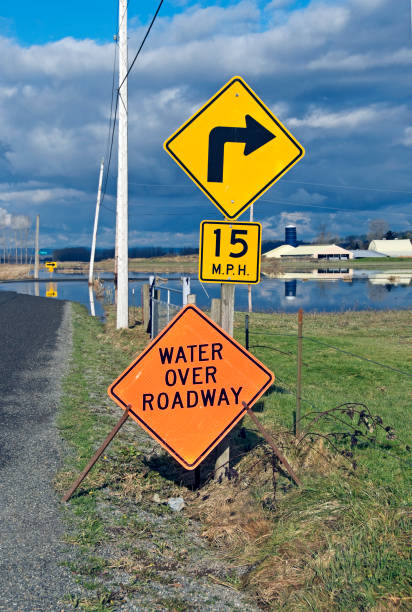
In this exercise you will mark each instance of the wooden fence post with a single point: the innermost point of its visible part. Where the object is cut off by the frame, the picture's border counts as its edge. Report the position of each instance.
(146, 306)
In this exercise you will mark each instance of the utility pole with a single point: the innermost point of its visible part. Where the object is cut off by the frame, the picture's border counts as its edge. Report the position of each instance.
(122, 178)
(96, 221)
(36, 249)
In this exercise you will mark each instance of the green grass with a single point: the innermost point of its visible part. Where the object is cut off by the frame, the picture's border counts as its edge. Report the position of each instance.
(85, 419)
(338, 543)
(356, 556)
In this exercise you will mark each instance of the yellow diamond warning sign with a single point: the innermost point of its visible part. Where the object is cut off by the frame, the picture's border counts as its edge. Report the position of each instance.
(229, 252)
(234, 148)
(188, 386)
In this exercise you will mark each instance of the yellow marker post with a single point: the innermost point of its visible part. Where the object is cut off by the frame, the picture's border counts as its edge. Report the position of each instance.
(51, 265)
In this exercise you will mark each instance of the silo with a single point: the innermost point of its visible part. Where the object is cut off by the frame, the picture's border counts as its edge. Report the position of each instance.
(290, 289)
(290, 235)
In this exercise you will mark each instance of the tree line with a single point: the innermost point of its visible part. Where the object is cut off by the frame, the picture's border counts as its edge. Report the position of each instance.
(83, 253)
(378, 230)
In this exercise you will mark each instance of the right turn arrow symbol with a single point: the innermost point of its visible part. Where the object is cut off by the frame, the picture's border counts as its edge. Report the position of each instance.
(254, 135)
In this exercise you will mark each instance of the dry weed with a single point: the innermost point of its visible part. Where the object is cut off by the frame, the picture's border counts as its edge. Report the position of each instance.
(277, 577)
(14, 271)
(131, 486)
(130, 564)
(391, 603)
(318, 455)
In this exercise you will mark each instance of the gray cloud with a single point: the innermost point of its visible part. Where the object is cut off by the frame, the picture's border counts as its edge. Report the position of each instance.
(334, 73)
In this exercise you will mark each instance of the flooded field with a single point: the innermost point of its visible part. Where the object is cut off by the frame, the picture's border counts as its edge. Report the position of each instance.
(317, 290)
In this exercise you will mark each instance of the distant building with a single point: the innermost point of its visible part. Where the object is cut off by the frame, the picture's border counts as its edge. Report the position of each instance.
(361, 253)
(392, 248)
(312, 251)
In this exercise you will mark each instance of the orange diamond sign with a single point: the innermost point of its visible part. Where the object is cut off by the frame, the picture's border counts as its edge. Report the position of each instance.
(187, 387)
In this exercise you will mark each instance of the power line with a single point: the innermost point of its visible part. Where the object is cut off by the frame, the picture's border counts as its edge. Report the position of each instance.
(349, 187)
(142, 43)
(307, 205)
(111, 101)
(110, 152)
(187, 185)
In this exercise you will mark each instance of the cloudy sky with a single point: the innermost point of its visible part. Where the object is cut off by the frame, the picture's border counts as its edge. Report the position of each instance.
(337, 73)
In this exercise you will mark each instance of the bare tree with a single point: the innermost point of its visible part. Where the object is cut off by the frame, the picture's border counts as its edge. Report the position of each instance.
(324, 236)
(377, 229)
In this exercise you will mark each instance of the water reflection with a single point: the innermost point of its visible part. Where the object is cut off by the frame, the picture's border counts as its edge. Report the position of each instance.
(333, 290)
(91, 301)
(51, 290)
(290, 289)
(324, 274)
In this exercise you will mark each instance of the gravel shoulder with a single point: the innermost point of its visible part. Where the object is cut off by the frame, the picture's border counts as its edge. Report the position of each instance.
(35, 341)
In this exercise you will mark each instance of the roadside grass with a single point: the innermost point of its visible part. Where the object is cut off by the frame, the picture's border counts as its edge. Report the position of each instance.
(338, 543)
(352, 555)
(129, 543)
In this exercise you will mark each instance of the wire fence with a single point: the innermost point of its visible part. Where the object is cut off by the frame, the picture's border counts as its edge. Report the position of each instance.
(322, 407)
(378, 363)
(317, 341)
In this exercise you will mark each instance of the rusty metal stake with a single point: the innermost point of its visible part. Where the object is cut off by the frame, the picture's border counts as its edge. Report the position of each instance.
(96, 455)
(272, 444)
(299, 373)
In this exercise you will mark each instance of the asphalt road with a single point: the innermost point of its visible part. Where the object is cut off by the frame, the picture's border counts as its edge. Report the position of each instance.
(35, 341)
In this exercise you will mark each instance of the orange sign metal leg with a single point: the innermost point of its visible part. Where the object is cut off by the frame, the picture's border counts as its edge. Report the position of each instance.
(272, 444)
(95, 457)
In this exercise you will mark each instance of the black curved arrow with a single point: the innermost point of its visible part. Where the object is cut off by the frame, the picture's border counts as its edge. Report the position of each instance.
(254, 135)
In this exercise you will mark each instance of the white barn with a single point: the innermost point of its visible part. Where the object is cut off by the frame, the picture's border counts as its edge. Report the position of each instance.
(392, 248)
(313, 251)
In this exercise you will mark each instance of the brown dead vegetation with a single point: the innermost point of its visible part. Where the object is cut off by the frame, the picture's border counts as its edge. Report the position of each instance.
(15, 271)
(241, 518)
